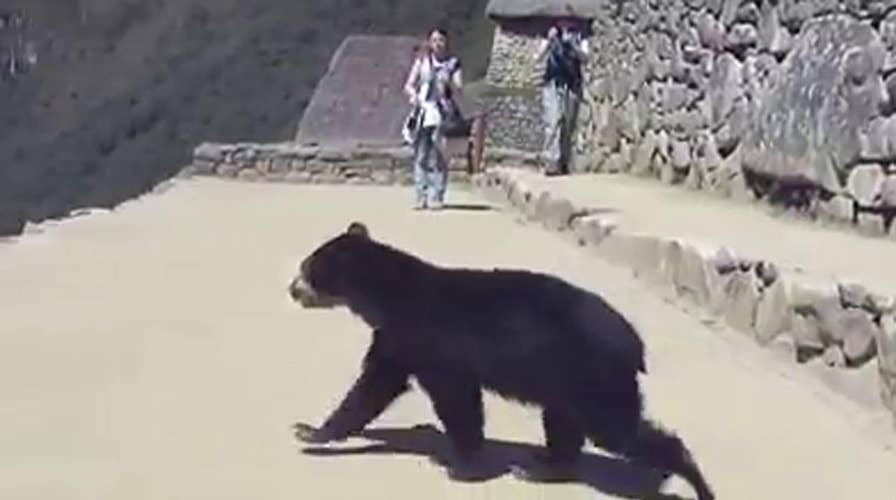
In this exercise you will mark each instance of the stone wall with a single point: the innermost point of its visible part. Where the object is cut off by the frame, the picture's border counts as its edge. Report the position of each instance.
(514, 109)
(291, 162)
(514, 46)
(788, 101)
(843, 323)
(514, 121)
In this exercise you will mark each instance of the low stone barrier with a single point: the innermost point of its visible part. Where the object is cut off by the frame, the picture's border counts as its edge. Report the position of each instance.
(844, 323)
(508, 156)
(293, 162)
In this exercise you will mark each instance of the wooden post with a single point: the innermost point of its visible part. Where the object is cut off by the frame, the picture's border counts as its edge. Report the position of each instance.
(477, 143)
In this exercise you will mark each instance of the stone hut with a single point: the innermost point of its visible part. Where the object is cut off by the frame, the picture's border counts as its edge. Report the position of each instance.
(359, 100)
(514, 101)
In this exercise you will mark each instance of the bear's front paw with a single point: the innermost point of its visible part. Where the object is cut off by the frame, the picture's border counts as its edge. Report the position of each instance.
(311, 435)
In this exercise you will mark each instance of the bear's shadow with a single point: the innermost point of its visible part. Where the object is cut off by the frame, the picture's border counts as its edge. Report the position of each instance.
(608, 475)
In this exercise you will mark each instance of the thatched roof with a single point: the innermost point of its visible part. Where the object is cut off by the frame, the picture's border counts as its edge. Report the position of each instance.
(360, 99)
(586, 9)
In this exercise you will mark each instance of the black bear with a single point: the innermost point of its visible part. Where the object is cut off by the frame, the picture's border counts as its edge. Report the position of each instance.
(528, 337)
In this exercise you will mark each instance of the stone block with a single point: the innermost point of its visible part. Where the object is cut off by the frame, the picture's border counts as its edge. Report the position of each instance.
(838, 209)
(887, 194)
(537, 204)
(834, 357)
(590, 230)
(805, 295)
(297, 177)
(327, 177)
(274, 176)
(302, 152)
(710, 32)
(853, 294)
(641, 253)
(404, 177)
(870, 223)
(518, 194)
(773, 312)
(335, 155)
(767, 272)
(880, 304)
(249, 174)
(644, 153)
(318, 166)
(875, 137)
(694, 179)
(741, 300)
(852, 329)
(688, 268)
(556, 214)
(742, 36)
(886, 360)
(279, 165)
(382, 177)
(865, 182)
(613, 164)
(202, 167)
(227, 170)
(664, 170)
(805, 332)
(724, 260)
(211, 152)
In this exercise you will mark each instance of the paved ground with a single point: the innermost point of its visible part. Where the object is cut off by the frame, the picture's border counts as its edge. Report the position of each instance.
(153, 353)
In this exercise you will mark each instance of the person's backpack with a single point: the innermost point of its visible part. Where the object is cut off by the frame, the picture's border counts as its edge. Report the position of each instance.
(563, 64)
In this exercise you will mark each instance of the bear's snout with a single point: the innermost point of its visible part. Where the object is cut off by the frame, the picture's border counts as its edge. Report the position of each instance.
(301, 292)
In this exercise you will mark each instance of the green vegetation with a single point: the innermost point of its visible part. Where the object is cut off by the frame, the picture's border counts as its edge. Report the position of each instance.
(124, 89)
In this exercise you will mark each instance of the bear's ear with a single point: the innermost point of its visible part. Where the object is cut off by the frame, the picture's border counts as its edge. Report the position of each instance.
(358, 229)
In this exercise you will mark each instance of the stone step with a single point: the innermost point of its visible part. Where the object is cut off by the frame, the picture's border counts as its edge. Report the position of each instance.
(826, 293)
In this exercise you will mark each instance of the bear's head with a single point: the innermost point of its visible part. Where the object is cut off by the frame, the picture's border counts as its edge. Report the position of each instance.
(322, 279)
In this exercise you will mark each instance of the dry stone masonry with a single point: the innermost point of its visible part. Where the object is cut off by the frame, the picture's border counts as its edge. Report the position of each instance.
(292, 162)
(513, 50)
(514, 105)
(790, 101)
(844, 324)
(514, 121)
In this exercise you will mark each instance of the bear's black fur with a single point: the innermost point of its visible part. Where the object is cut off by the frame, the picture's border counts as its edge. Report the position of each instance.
(528, 337)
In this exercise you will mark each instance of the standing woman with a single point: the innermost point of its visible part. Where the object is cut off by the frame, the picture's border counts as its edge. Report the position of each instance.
(433, 86)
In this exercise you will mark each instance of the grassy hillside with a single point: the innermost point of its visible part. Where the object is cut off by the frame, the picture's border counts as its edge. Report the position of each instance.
(123, 89)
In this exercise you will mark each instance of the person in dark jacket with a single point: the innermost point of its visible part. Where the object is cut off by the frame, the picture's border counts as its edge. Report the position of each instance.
(566, 50)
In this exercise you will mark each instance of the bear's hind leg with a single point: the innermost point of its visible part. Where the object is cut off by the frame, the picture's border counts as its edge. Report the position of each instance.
(665, 451)
(381, 382)
(614, 421)
(564, 439)
(563, 435)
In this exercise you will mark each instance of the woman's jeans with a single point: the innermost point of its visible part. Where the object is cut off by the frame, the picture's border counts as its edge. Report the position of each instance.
(430, 169)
